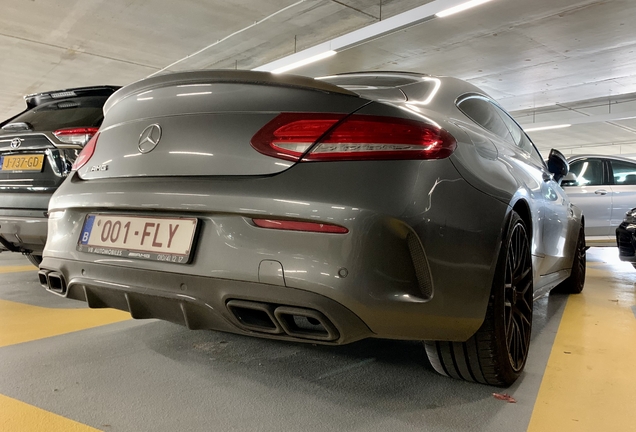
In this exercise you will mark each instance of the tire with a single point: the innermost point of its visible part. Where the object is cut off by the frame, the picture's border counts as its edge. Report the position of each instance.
(574, 284)
(35, 259)
(497, 353)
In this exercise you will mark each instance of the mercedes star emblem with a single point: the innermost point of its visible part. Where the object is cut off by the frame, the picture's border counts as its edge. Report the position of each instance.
(149, 138)
(15, 143)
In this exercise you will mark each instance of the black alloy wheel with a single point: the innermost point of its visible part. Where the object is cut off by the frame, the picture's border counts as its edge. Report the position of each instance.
(574, 284)
(580, 260)
(497, 353)
(518, 297)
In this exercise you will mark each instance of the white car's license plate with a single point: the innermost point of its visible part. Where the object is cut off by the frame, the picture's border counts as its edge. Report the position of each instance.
(156, 239)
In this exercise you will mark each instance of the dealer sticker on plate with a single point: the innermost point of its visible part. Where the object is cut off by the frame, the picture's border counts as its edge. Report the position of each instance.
(155, 239)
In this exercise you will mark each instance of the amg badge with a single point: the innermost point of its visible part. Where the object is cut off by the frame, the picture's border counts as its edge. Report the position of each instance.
(103, 167)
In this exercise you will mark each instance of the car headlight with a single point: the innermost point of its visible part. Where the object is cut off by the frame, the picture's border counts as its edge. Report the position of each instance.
(630, 216)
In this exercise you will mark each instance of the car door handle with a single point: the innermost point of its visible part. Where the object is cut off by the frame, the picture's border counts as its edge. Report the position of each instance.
(600, 192)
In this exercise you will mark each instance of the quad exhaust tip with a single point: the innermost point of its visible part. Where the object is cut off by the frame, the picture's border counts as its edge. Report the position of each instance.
(255, 316)
(306, 323)
(52, 281)
(42, 276)
(279, 320)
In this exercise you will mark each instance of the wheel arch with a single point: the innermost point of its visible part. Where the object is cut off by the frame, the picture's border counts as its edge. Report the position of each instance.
(522, 208)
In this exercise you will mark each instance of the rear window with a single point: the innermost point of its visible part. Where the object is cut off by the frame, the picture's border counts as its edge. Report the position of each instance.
(485, 114)
(75, 112)
(387, 87)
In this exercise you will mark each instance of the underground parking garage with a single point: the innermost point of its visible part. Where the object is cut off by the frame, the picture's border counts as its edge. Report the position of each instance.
(318, 215)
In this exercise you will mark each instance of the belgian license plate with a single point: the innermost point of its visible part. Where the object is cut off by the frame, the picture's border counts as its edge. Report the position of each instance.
(23, 162)
(155, 239)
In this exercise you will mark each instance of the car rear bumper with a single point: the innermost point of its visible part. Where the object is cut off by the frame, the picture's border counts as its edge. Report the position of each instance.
(23, 221)
(207, 303)
(25, 233)
(600, 241)
(417, 264)
(626, 241)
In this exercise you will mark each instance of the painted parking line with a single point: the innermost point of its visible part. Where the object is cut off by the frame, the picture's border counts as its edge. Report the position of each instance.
(23, 323)
(590, 376)
(17, 269)
(19, 416)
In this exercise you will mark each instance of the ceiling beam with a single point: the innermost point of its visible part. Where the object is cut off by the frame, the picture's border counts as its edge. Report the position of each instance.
(582, 119)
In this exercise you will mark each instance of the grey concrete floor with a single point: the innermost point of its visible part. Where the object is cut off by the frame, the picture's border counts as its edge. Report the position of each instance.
(156, 376)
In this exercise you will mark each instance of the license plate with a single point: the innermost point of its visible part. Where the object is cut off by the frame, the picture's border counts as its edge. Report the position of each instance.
(154, 239)
(23, 162)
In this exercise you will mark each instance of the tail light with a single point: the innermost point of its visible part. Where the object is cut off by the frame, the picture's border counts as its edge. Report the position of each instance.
(290, 135)
(300, 226)
(357, 137)
(76, 135)
(86, 153)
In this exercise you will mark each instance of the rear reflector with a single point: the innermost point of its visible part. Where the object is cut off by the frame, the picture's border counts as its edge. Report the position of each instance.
(76, 135)
(299, 226)
(357, 137)
(86, 153)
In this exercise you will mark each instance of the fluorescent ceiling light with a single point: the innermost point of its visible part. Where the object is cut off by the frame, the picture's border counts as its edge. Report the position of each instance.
(357, 37)
(304, 62)
(459, 8)
(373, 31)
(561, 126)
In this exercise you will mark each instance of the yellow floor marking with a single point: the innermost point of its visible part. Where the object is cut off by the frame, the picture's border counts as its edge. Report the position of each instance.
(22, 323)
(590, 379)
(16, 416)
(16, 269)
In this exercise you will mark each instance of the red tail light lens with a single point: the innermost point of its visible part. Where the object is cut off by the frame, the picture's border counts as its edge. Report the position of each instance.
(358, 137)
(86, 153)
(362, 137)
(76, 135)
(300, 226)
(290, 135)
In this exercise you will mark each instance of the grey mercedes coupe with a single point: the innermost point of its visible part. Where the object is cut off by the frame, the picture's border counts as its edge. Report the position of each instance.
(387, 205)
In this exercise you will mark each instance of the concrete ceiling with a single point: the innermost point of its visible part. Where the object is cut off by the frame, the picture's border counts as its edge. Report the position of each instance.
(546, 61)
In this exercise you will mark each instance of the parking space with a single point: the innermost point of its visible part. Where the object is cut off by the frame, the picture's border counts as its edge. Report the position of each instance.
(75, 369)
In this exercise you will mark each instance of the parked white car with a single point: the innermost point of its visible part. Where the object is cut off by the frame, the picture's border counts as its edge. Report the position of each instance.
(604, 188)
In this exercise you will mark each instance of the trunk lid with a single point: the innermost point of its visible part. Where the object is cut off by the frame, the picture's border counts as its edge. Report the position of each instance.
(202, 123)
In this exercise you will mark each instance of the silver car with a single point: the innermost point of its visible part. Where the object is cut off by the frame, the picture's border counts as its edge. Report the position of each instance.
(604, 188)
(388, 205)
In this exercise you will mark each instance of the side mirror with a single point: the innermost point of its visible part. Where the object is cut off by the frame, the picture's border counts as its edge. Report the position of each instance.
(569, 180)
(557, 165)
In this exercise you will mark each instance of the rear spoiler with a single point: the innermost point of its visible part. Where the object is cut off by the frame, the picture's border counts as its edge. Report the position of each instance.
(36, 99)
(223, 76)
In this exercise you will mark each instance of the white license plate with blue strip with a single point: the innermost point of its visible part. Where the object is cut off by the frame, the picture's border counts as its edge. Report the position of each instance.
(149, 238)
